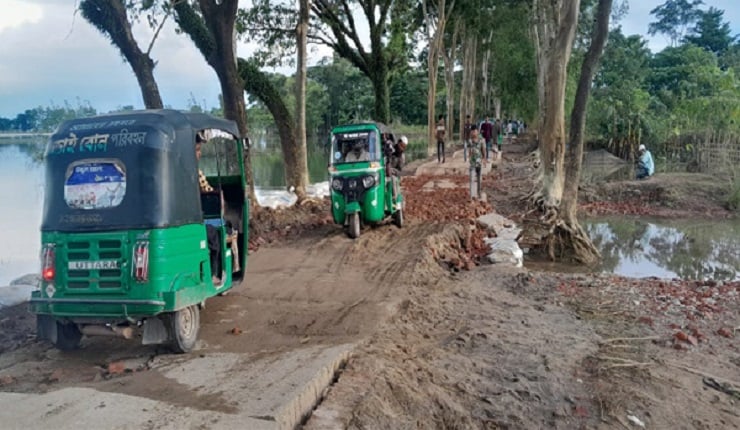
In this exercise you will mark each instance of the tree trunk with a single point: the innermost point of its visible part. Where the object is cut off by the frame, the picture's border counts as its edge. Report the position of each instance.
(449, 60)
(571, 237)
(556, 55)
(258, 84)
(111, 19)
(297, 176)
(382, 110)
(220, 19)
(435, 41)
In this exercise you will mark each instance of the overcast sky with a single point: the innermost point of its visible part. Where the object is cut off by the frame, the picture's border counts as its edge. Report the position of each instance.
(49, 55)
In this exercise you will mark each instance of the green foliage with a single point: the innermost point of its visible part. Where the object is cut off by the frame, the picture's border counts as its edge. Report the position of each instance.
(674, 17)
(669, 101)
(514, 72)
(46, 118)
(710, 32)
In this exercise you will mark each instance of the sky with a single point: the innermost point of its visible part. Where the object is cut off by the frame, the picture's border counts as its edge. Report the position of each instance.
(49, 55)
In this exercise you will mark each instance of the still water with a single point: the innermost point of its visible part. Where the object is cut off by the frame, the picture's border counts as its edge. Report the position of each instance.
(686, 249)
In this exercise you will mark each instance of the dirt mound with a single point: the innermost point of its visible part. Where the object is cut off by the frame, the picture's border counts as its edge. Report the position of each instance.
(441, 199)
(17, 327)
(268, 225)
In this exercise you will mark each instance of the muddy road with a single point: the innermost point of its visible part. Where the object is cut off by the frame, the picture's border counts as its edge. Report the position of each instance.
(266, 350)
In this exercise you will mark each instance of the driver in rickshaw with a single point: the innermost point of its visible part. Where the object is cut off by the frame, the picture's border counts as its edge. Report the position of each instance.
(359, 151)
(211, 231)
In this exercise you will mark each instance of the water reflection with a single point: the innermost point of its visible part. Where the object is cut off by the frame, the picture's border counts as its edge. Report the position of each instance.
(668, 249)
(21, 194)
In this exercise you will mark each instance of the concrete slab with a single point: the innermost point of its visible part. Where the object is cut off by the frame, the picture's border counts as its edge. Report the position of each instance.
(253, 397)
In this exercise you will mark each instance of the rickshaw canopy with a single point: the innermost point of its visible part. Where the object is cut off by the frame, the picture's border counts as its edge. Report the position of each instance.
(134, 169)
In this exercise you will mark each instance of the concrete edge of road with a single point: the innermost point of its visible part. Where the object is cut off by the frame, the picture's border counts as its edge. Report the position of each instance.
(298, 410)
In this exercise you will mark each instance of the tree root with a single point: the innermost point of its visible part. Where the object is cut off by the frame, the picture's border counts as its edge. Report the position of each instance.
(568, 241)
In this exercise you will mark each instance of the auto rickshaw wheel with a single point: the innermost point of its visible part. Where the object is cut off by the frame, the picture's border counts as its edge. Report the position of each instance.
(68, 336)
(354, 225)
(398, 218)
(184, 325)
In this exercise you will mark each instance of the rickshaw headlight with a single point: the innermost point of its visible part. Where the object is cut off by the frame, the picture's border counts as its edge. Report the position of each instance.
(336, 184)
(368, 181)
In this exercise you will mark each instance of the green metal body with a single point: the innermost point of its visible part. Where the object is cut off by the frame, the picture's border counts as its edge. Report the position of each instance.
(374, 203)
(179, 273)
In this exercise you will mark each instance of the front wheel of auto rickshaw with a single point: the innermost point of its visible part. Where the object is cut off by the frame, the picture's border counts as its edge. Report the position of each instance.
(398, 218)
(354, 225)
(68, 336)
(184, 326)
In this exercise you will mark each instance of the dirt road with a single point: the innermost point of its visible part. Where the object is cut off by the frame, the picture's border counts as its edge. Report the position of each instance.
(267, 349)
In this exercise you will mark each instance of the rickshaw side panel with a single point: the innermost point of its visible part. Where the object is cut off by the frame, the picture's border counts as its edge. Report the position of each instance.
(177, 264)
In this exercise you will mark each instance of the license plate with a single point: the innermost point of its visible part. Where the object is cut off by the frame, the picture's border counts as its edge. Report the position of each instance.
(94, 265)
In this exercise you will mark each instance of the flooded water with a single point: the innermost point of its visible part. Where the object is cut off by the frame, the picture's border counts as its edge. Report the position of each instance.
(686, 249)
(21, 194)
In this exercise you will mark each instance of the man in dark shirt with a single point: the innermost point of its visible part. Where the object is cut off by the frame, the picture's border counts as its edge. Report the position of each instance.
(487, 130)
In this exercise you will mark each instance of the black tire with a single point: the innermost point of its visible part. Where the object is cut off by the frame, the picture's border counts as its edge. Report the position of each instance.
(183, 326)
(354, 225)
(68, 336)
(398, 218)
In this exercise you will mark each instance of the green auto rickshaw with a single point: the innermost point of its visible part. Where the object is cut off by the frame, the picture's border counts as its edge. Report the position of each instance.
(364, 188)
(129, 240)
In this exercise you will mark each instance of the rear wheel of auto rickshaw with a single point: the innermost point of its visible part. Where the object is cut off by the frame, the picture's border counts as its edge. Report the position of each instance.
(354, 225)
(68, 336)
(398, 218)
(184, 326)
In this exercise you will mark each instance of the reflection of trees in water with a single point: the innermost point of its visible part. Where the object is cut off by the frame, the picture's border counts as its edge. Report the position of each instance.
(32, 147)
(268, 166)
(617, 240)
(691, 251)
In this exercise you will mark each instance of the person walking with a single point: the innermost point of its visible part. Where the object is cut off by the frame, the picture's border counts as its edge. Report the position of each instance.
(476, 160)
(486, 130)
(497, 134)
(466, 136)
(441, 139)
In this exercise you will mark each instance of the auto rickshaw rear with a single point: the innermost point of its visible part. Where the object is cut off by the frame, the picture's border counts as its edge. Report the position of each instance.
(123, 238)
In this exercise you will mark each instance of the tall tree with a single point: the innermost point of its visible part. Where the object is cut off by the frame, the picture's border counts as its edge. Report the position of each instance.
(568, 235)
(673, 18)
(299, 178)
(211, 26)
(450, 59)
(111, 17)
(435, 21)
(387, 48)
(555, 25)
(711, 32)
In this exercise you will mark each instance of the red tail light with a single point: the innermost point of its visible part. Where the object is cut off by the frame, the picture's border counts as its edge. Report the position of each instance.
(141, 261)
(48, 258)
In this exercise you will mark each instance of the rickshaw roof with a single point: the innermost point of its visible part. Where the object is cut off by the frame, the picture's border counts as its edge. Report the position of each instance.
(361, 126)
(152, 117)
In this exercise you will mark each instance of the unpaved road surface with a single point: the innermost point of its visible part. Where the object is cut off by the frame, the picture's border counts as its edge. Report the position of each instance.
(266, 351)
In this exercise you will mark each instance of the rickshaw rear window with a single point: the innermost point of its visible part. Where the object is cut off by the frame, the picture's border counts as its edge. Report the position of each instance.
(95, 184)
